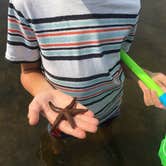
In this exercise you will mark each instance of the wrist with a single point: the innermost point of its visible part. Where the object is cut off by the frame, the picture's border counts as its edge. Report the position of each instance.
(35, 83)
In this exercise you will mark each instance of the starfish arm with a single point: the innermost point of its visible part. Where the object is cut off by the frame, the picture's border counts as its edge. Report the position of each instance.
(53, 107)
(57, 121)
(70, 119)
(71, 104)
(77, 111)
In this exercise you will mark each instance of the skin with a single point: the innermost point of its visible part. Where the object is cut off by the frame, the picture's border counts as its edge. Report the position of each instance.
(150, 97)
(35, 83)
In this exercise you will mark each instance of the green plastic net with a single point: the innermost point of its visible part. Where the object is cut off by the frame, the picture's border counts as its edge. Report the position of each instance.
(162, 152)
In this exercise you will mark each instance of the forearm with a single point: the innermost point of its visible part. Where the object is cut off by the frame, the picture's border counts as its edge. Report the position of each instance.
(34, 82)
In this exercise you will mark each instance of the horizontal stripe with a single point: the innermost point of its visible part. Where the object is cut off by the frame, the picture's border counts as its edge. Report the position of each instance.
(82, 47)
(82, 23)
(82, 38)
(13, 20)
(21, 29)
(98, 93)
(108, 94)
(18, 35)
(14, 17)
(21, 44)
(83, 78)
(80, 17)
(81, 57)
(82, 51)
(84, 27)
(80, 43)
(21, 33)
(82, 32)
(20, 39)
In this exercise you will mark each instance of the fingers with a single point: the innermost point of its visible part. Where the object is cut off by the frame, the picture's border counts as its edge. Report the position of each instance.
(87, 119)
(146, 94)
(76, 132)
(155, 100)
(85, 125)
(150, 97)
(33, 113)
(160, 78)
(161, 84)
(89, 114)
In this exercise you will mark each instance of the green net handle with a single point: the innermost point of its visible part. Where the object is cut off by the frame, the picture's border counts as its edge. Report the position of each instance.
(140, 73)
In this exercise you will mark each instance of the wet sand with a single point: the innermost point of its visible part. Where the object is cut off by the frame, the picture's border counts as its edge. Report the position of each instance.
(136, 134)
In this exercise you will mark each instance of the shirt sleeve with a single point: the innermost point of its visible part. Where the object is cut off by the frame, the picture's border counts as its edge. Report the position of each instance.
(22, 45)
(129, 39)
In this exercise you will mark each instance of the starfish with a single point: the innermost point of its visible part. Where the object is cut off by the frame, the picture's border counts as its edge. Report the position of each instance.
(66, 113)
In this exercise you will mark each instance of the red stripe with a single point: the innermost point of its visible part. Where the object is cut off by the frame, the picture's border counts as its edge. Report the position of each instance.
(83, 32)
(81, 43)
(12, 20)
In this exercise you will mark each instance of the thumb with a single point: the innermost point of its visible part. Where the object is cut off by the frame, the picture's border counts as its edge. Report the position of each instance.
(34, 113)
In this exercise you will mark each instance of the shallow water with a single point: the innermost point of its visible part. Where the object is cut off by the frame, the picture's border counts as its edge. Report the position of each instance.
(136, 135)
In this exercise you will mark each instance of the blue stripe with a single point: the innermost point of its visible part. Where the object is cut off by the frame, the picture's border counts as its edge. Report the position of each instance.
(84, 28)
(82, 23)
(83, 37)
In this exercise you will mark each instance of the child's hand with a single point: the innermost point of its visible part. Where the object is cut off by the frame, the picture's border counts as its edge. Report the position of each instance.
(85, 122)
(150, 97)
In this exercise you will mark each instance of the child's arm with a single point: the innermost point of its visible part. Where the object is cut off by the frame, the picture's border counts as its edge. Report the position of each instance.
(35, 83)
(150, 97)
(32, 78)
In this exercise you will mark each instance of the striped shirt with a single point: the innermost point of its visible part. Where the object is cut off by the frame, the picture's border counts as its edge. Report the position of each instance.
(78, 43)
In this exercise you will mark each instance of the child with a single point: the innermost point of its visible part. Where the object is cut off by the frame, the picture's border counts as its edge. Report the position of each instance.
(71, 49)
